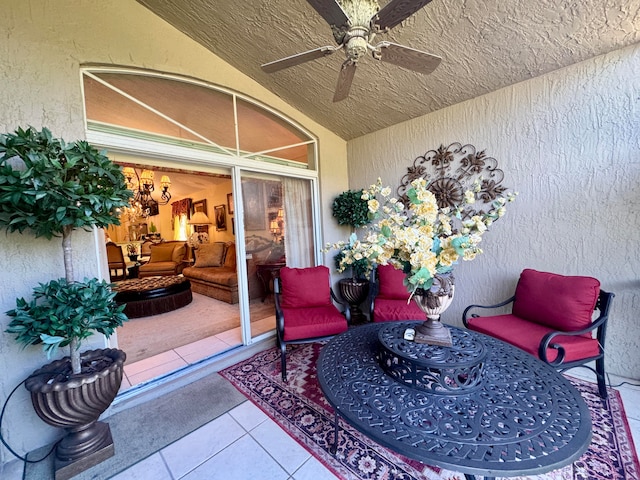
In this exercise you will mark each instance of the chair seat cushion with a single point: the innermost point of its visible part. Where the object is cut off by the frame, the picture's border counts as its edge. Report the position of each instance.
(158, 267)
(527, 336)
(162, 252)
(560, 302)
(311, 322)
(217, 275)
(387, 310)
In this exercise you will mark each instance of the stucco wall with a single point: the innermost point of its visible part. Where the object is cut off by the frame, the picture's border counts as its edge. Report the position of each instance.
(569, 142)
(44, 44)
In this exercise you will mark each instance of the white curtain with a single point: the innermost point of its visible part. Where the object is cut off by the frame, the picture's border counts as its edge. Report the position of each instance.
(298, 223)
(180, 227)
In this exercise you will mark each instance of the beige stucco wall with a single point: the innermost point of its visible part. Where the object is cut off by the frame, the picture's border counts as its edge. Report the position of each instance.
(569, 142)
(44, 43)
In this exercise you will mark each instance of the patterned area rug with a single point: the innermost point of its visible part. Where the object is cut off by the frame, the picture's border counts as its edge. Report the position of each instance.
(299, 408)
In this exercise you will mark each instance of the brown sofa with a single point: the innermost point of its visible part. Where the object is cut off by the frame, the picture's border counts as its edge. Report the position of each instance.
(214, 273)
(167, 258)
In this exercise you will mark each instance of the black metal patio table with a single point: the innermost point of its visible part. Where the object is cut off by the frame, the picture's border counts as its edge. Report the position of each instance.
(481, 407)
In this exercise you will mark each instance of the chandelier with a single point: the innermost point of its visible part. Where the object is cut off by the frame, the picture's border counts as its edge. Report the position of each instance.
(142, 186)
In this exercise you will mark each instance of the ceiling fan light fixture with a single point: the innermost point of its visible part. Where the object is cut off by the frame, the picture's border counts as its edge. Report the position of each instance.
(354, 24)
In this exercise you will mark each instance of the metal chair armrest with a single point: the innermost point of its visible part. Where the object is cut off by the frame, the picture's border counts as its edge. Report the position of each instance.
(545, 343)
(497, 305)
(373, 292)
(279, 314)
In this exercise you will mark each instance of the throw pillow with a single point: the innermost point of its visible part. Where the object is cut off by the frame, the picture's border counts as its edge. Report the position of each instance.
(161, 253)
(178, 253)
(210, 255)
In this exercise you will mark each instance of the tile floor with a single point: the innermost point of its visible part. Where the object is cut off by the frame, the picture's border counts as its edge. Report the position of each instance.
(166, 362)
(246, 444)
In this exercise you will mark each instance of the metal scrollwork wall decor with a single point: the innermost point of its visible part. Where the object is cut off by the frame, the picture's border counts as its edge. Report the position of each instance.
(451, 171)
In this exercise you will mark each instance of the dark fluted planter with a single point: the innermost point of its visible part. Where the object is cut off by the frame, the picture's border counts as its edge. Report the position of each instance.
(75, 402)
(355, 291)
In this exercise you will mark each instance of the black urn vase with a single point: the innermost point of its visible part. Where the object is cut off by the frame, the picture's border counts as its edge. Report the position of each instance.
(355, 291)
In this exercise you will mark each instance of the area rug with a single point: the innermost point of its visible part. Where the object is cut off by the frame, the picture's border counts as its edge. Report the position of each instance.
(300, 409)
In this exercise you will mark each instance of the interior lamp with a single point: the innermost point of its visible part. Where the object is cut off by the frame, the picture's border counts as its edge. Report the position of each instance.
(198, 238)
(199, 218)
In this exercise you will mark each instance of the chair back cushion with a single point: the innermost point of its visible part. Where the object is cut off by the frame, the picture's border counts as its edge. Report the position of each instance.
(162, 252)
(210, 255)
(391, 309)
(560, 302)
(305, 287)
(391, 283)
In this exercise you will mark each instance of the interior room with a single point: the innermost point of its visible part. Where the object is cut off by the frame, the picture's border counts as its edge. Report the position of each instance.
(160, 342)
(236, 126)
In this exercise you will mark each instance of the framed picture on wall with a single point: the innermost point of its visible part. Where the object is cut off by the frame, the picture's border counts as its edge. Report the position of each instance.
(255, 217)
(230, 203)
(221, 217)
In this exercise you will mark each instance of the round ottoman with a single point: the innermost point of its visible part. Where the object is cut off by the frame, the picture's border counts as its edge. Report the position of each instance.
(153, 295)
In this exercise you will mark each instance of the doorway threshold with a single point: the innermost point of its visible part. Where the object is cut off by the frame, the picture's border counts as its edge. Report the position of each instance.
(186, 374)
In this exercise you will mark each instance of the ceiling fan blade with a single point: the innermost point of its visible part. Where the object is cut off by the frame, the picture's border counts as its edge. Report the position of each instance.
(298, 58)
(331, 11)
(406, 57)
(396, 11)
(345, 78)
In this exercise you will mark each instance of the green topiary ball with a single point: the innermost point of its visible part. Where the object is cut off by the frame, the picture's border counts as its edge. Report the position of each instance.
(350, 209)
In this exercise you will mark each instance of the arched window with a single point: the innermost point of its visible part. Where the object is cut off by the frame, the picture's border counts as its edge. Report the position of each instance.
(187, 112)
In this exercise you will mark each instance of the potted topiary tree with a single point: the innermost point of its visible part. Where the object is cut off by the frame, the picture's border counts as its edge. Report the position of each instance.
(349, 208)
(51, 188)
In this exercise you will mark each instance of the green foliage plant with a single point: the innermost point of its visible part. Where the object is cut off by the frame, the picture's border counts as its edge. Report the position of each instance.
(350, 209)
(51, 188)
(61, 311)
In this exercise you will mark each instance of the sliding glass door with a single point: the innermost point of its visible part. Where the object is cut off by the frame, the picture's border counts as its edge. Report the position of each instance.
(278, 232)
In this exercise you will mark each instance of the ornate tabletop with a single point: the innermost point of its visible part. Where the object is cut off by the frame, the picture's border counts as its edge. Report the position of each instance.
(491, 409)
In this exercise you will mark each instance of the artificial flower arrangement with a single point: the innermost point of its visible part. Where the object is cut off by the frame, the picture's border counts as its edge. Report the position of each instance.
(420, 238)
(132, 249)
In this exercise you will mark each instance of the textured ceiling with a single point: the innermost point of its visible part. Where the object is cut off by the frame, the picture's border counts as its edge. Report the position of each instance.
(484, 46)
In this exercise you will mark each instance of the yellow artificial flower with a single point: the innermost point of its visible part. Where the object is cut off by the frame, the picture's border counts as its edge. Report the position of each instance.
(421, 238)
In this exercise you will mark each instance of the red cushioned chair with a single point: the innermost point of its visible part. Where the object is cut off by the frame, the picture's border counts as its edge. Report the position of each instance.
(390, 298)
(552, 319)
(305, 312)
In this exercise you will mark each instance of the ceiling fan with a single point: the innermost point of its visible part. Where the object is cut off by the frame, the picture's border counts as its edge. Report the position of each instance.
(354, 24)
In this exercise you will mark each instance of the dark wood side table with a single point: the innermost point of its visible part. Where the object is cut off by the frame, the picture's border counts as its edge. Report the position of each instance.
(481, 407)
(266, 273)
